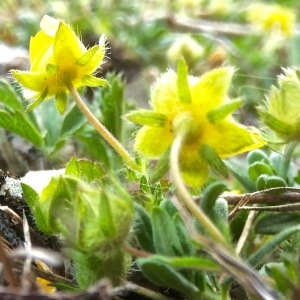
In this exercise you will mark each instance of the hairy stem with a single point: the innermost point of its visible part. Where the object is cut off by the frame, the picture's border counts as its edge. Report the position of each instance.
(187, 199)
(111, 140)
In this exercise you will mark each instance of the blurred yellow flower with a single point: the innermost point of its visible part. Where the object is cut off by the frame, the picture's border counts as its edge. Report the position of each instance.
(59, 59)
(272, 18)
(185, 47)
(202, 111)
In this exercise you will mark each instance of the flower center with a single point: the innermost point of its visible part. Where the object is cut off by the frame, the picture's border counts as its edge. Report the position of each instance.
(185, 125)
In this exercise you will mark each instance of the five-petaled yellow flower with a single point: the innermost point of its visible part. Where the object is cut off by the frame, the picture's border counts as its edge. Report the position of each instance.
(59, 60)
(205, 110)
(272, 18)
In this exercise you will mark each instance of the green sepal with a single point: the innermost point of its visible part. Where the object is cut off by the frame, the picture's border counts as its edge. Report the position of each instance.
(147, 118)
(92, 81)
(52, 69)
(166, 275)
(277, 125)
(220, 113)
(183, 88)
(61, 102)
(165, 237)
(87, 56)
(214, 161)
(37, 102)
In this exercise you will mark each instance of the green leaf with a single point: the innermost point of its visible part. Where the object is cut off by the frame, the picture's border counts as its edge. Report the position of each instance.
(72, 122)
(220, 113)
(96, 148)
(214, 161)
(265, 182)
(257, 155)
(112, 105)
(258, 168)
(273, 223)
(161, 168)
(184, 236)
(283, 283)
(147, 118)
(190, 262)
(183, 88)
(8, 96)
(33, 200)
(18, 123)
(165, 275)
(211, 193)
(143, 229)
(269, 247)
(219, 216)
(84, 169)
(165, 236)
(169, 207)
(241, 174)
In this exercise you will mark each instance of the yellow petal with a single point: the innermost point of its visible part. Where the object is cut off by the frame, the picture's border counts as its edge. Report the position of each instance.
(228, 138)
(151, 142)
(164, 93)
(212, 88)
(49, 25)
(67, 48)
(31, 80)
(193, 168)
(41, 51)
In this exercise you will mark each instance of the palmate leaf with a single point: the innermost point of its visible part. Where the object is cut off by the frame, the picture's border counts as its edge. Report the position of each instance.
(18, 123)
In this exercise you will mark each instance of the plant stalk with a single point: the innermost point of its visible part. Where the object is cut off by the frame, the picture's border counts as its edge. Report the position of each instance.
(111, 140)
(187, 199)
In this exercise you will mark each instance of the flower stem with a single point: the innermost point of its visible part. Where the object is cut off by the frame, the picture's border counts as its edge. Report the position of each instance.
(112, 141)
(186, 198)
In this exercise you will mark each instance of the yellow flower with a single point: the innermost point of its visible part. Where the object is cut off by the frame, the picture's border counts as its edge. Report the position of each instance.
(272, 17)
(202, 111)
(187, 48)
(58, 60)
